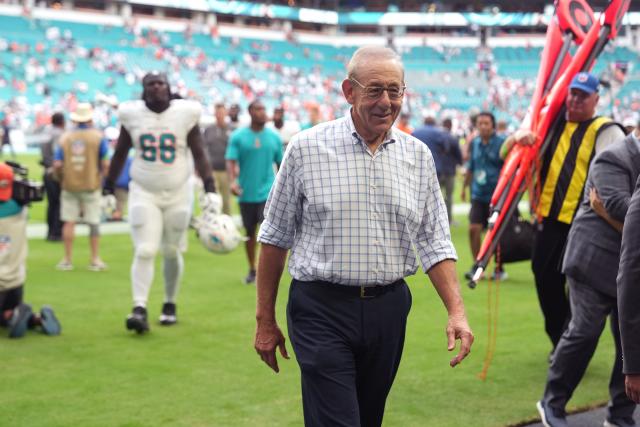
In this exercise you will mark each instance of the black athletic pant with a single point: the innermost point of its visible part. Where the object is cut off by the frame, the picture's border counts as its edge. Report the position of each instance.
(10, 299)
(54, 222)
(348, 349)
(546, 263)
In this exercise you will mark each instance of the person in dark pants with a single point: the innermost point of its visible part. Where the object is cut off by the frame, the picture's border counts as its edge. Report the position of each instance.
(6, 138)
(17, 316)
(483, 170)
(562, 176)
(446, 155)
(352, 200)
(252, 155)
(51, 184)
(629, 297)
(591, 266)
(629, 291)
(451, 159)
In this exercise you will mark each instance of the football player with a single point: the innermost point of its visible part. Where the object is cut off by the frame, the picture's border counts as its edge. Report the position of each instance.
(162, 130)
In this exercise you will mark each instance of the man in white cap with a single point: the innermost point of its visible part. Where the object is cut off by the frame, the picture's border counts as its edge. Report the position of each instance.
(81, 159)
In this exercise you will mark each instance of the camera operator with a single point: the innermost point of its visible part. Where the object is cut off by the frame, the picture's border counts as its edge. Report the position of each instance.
(15, 193)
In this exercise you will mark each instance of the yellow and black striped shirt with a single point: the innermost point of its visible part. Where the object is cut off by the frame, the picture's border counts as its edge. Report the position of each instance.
(565, 167)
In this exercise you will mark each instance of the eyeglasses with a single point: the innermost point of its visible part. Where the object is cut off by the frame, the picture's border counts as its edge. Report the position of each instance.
(375, 92)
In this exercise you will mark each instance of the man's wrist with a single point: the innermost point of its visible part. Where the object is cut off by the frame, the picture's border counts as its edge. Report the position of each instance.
(266, 318)
(209, 184)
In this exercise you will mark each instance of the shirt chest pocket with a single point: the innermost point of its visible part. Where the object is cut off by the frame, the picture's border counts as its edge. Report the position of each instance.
(399, 199)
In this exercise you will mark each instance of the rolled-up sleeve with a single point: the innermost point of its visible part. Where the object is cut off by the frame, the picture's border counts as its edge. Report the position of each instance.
(433, 240)
(283, 209)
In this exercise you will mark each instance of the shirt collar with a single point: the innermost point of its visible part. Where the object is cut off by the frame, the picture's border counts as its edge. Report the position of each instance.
(389, 138)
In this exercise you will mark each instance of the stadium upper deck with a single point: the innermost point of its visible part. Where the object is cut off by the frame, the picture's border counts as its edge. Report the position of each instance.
(51, 56)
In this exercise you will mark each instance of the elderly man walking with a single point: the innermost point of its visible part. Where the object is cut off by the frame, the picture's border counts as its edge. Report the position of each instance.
(353, 198)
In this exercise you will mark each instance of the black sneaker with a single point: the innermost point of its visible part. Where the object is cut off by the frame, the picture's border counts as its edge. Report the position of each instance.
(137, 320)
(19, 322)
(251, 278)
(550, 418)
(168, 316)
(49, 322)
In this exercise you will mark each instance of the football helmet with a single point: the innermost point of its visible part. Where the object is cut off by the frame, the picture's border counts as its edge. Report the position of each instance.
(217, 233)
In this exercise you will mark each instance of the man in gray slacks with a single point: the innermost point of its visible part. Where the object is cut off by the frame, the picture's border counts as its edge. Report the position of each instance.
(591, 265)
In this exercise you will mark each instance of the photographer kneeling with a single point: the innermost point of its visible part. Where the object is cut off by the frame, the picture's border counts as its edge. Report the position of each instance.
(15, 193)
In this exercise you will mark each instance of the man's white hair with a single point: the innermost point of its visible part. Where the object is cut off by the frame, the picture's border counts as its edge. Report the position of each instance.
(368, 55)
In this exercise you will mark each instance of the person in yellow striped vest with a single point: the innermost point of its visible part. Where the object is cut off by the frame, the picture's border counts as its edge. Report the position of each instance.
(81, 159)
(562, 177)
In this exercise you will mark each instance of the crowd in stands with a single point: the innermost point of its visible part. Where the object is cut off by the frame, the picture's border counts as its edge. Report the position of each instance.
(40, 76)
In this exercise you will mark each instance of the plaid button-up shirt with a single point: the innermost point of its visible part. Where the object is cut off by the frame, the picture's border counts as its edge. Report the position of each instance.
(354, 217)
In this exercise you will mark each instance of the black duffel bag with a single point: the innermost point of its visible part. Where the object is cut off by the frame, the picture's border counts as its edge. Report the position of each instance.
(516, 242)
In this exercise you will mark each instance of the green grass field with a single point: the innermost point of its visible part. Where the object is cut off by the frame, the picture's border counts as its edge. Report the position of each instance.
(204, 371)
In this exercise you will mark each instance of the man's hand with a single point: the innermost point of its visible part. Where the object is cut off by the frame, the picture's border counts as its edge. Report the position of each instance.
(211, 203)
(463, 194)
(632, 387)
(524, 137)
(596, 202)
(268, 337)
(235, 188)
(458, 329)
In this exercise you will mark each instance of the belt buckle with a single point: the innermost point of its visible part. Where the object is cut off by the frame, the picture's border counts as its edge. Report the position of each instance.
(363, 293)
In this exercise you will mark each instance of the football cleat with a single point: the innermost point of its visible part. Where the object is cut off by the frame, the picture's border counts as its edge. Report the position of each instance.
(137, 320)
(168, 316)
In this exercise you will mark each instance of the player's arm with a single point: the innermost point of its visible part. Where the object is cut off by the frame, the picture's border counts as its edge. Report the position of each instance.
(118, 160)
(196, 145)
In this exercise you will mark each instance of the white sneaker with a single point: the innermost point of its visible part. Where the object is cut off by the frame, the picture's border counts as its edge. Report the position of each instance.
(64, 265)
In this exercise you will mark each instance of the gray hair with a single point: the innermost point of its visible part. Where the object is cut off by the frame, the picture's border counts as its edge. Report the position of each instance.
(367, 55)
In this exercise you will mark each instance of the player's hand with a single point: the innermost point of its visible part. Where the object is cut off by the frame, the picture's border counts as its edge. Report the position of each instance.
(268, 337)
(463, 194)
(108, 204)
(108, 188)
(235, 188)
(632, 387)
(211, 203)
(458, 329)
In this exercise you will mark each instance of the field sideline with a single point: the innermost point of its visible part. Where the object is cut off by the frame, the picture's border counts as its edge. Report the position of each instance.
(204, 371)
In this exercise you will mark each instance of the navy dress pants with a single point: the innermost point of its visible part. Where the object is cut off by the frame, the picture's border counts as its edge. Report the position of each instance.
(348, 349)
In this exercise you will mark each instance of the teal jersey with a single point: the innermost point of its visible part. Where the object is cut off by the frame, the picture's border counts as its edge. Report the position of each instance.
(256, 154)
(485, 165)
